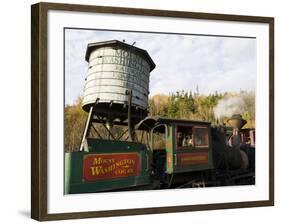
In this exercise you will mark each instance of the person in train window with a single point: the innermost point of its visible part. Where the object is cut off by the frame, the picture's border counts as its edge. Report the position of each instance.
(187, 141)
(190, 141)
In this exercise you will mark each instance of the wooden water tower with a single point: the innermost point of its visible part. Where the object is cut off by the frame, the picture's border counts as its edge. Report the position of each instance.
(116, 88)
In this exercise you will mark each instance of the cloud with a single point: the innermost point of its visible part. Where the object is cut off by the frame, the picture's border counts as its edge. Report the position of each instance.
(182, 61)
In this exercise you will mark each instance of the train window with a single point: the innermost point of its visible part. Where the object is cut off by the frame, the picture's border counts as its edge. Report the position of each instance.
(158, 141)
(158, 137)
(201, 136)
(184, 137)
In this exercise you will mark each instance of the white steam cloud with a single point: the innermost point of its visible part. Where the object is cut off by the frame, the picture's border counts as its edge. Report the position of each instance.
(230, 105)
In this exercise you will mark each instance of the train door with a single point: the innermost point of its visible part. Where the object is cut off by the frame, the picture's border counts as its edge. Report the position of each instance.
(159, 136)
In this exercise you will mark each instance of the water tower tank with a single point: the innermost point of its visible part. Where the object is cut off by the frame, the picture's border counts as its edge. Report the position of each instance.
(113, 68)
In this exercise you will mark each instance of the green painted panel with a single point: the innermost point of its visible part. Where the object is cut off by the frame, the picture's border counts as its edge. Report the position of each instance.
(192, 167)
(196, 167)
(74, 182)
(170, 151)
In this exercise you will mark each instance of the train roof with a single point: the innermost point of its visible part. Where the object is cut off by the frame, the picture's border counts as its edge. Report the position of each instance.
(112, 43)
(150, 122)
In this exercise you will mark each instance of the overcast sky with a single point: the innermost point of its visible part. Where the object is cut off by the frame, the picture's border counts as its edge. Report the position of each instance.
(182, 61)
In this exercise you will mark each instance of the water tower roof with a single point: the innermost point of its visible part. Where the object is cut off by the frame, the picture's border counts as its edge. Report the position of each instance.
(93, 46)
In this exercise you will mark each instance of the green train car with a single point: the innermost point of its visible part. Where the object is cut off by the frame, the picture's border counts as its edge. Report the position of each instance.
(112, 165)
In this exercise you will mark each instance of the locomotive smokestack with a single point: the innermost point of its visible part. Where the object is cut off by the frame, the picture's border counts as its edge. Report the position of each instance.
(236, 122)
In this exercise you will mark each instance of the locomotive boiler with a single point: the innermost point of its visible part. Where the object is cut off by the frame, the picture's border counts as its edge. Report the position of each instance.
(120, 147)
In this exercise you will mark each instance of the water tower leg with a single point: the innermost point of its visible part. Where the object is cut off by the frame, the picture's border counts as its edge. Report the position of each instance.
(130, 128)
(86, 129)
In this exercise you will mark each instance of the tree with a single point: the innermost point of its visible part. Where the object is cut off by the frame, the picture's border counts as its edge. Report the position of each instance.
(182, 105)
(74, 121)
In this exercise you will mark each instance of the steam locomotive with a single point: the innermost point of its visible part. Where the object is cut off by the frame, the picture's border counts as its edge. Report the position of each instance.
(136, 151)
(194, 154)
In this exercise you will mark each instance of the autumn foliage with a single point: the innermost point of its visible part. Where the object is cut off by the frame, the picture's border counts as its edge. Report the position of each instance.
(216, 107)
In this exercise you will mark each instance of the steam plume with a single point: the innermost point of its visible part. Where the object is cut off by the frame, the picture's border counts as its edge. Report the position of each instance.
(238, 104)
